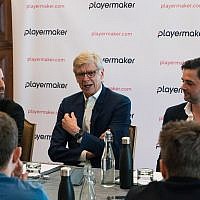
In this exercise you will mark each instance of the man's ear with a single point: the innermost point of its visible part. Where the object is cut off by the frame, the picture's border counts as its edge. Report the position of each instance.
(163, 169)
(102, 74)
(16, 154)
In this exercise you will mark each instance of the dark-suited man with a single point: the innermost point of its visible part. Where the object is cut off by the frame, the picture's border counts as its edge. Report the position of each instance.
(180, 163)
(11, 108)
(84, 135)
(189, 110)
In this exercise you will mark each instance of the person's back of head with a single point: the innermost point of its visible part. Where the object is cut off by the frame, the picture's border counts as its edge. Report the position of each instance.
(180, 148)
(11, 175)
(8, 138)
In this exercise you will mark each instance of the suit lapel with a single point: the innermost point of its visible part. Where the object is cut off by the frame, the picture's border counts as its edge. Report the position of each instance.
(98, 108)
(80, 107)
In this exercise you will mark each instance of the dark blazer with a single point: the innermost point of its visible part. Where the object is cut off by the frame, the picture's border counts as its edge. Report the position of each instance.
(15, 111)
(111, 110)
(175, 188)
(174, 113)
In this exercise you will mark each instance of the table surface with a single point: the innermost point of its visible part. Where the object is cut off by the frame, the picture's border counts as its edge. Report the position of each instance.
(51, 186)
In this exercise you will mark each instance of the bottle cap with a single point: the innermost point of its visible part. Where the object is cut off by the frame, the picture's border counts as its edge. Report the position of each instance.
(126, 140)
(65, 171)
(109, 136)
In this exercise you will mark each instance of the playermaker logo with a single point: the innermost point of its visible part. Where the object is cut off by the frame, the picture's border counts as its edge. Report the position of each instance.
(100, 5)
(45, 32)
(54, 85)
(42, 137)
(121, 60)
(184, 33)
(169, 90)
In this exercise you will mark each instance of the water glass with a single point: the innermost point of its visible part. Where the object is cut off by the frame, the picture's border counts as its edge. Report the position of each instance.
(33, 169)
(144, 176)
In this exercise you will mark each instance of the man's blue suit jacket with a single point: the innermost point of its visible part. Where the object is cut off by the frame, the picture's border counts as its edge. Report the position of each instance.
(111, 111)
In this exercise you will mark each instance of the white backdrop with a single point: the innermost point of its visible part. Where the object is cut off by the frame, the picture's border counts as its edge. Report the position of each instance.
(142, 43)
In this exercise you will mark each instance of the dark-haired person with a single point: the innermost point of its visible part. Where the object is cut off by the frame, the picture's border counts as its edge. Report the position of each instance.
(189, 110)
(78, 135)
(12, 183)
(179, 164)
(11, 108)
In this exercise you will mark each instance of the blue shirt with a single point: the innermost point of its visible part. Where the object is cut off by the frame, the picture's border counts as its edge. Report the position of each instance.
(13, 188)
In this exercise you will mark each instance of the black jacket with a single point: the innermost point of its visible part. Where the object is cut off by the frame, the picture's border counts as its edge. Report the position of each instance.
(15, 111)
(174, 113)
(175, 188)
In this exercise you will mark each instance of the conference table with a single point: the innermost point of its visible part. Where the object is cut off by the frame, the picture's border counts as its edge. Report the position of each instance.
(51, 179)
(52, 184)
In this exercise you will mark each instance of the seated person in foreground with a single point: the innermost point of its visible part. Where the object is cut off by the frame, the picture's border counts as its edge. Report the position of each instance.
(84, 132)
(11, 187)
(11, 108)
(179, 164)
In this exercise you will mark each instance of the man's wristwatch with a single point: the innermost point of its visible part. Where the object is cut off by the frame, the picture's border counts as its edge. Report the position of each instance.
(79, 134)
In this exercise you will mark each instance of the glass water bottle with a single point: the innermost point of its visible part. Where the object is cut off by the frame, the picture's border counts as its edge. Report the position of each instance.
(87, 190)
(108, 162)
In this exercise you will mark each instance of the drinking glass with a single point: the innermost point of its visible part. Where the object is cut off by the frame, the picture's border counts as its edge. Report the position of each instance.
(33, 169)
(144, 176)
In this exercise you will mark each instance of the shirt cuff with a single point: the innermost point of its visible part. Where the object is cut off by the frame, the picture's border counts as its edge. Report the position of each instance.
(79, 140)
(83, 156)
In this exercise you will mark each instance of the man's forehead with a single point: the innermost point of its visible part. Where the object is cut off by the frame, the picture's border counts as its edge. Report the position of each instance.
(86, 67)
(1, 74)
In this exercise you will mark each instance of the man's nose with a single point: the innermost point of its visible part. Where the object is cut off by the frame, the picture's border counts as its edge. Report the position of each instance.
(183, 86)
(2, 84)
(85, 77)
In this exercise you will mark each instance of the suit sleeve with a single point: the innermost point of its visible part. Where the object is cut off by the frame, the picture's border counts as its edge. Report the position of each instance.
(166, 119)
(58, 150)
(168, 116)
(120, 125)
